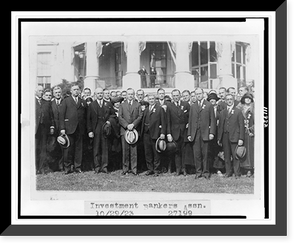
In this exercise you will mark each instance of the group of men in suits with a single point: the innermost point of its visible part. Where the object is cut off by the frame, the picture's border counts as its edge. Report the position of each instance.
(173, 120)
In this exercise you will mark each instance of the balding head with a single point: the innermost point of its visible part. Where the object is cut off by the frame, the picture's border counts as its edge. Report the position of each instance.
(39, 91)
(99, 93)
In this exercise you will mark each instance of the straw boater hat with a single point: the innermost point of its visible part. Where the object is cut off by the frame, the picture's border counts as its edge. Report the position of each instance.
(160, 145)
(131, 137)
(63, 140)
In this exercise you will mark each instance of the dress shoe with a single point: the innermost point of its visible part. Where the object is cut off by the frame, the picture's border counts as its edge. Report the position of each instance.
(197, 176)
(149, 172)
(124, 173)
(77, 171)
(249, 174)
(206, 176)
(104, 171)
(226, 176)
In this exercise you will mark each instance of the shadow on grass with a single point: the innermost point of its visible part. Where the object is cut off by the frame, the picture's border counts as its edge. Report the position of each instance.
(88, 181)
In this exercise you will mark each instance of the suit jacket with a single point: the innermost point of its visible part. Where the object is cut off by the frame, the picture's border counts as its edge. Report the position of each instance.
(71, 115)
(206, 116)
(222, 105)
(93, 117)
(177, 118)
(127, 116)
(235, 123)
(157, 121)
(43, 114)
(56, 110)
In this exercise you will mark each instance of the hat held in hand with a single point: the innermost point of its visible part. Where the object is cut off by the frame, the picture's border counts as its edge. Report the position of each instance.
(131, 137)
(63, 140)
(240, 152)
(160, 145)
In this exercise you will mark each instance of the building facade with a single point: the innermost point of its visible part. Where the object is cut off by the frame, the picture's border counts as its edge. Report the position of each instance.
(206, 62)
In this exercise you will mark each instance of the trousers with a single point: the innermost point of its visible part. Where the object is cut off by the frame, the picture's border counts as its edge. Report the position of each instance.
(73, 154)
(229, 151)
(200, 151)
(151, 155)
(129, 156)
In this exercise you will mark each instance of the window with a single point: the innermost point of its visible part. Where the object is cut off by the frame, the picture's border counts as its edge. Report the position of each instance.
(161, 65)
(80, 61)
(205, 71)
(44, 69)
(238, 62)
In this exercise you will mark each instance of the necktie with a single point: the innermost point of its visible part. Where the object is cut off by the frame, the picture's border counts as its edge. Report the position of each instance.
(76, 100)
(228, 109)
(129, 105)
(151, 108)
(57, 102)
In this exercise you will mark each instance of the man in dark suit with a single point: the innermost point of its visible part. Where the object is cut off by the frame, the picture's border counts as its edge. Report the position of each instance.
(72, 121)
(201, 130)
(221, 102)
(177, 119)
(165, 160)
(231, 133)
(140, 144)
(44, 125)
(58, 151)
(98, 114)
(130, 116)
(143, 72)
(153, 126)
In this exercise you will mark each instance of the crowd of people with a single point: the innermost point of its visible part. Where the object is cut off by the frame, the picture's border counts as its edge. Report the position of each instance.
(185, 133)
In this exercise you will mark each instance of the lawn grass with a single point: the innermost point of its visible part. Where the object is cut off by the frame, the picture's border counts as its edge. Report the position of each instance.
(88, 181)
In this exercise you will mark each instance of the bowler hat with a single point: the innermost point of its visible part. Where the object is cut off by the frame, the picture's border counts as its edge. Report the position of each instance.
(240, 152)
(131, 137)
(213, 96)
(63, 140)
(106, 128)
(171, 147)
(160, 145)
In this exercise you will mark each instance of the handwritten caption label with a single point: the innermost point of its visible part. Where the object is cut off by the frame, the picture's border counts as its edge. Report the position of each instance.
(165, 208)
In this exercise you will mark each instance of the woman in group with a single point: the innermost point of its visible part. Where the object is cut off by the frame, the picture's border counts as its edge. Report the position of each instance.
(247, 107)
(115, 137)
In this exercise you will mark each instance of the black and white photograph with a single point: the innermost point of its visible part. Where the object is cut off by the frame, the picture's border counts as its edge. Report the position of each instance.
(139, 121)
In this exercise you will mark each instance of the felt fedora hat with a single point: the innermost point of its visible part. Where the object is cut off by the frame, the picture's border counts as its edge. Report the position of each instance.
(171, 147)
(131, 137)
(63, 140)
(106, 128)
(240, 152)
(160, 145)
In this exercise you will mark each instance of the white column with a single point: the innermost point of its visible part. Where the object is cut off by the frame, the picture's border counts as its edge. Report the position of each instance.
(183, 77)
(224, 49)
(64, 58)
(91, 66)
(132, 79)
